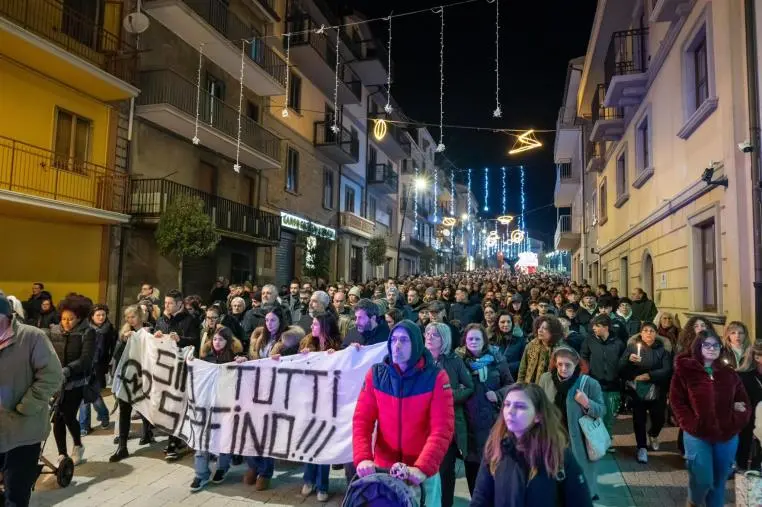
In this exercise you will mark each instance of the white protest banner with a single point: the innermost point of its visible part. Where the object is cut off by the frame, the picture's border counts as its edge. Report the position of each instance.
(298, 408)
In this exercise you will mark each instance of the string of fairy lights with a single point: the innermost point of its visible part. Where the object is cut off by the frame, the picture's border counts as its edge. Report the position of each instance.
(511, 241)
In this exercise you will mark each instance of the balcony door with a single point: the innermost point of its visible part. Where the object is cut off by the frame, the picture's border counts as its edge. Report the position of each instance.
(215, 89)
(355, 264)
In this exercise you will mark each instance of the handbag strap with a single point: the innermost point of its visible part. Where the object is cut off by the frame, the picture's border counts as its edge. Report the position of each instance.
(582, 383)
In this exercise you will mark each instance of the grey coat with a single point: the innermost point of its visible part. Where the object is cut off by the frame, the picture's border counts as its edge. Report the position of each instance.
(574, 412)
(30, 374)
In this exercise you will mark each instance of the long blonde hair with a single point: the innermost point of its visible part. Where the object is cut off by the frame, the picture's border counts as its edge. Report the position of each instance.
(747, 359)
(545, 442)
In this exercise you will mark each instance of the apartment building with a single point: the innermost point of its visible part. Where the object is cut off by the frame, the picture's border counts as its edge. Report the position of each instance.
(66, 71)
(187, 93)
(664, 86)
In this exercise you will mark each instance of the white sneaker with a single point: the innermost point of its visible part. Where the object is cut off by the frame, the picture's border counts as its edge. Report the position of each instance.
(307, 490)
(643, 455)
(653, 442)
(322, 496)
(76, 454)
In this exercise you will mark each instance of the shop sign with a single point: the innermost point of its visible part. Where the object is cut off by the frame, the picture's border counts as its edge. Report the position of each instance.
(290, 221)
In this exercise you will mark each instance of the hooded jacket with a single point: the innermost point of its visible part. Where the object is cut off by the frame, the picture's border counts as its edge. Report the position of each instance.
(413, 409)
(207, 352)
(30, 374)
(75, 350)
(703, 404)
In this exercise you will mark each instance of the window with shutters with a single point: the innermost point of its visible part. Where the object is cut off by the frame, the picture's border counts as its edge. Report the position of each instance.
(72, 141)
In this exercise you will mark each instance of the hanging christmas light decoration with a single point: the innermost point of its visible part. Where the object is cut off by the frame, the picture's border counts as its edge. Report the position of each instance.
(237, 165)
(517, 236)
(486, 189)
(335, 126)
(388, 107)
(415, 201)
(502, 169)
(525, 142)
(436, 195)
(196, 140)
(468, 210)
(505, 219)
(379, 129)
(497, 113)
(284, 112)
(441, 146)
(523, 202)
(452, 193)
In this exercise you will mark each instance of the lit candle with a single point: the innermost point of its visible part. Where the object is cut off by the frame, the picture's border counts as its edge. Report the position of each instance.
(639, 345)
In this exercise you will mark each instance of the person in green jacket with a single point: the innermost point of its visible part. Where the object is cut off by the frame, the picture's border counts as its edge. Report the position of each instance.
(438, 340)
(30, 374)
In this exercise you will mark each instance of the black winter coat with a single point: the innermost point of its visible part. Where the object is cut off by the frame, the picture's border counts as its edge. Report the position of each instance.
(185, 325)
(75, 351)
(379, 335)
(462, 387)
(105, 342)
(655, 360)
(509, 486)
(603, 359)
(47, 319)
(466, 314)
(480, 412)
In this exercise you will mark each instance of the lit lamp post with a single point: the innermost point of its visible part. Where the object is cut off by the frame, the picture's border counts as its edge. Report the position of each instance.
(419, 184)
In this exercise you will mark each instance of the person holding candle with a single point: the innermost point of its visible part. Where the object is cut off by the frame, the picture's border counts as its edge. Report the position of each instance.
(646, 367)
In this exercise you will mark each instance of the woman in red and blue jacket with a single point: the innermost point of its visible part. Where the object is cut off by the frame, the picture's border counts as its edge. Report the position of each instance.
(411, 400)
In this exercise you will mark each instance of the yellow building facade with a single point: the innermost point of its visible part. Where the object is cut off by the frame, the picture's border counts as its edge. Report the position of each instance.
(664, 91)
(63, 75)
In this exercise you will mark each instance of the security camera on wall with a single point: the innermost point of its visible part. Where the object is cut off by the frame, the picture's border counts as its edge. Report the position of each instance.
(745, 147)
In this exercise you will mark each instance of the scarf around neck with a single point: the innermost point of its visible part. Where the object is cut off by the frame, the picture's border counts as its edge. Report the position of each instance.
(481, 364)
(563, 386)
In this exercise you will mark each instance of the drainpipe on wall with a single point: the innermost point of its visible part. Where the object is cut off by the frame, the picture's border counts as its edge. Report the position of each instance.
(752, 69)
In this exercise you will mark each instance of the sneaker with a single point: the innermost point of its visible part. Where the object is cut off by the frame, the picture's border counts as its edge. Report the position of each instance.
(262, 484)
(322, 496)
(643, 455)
(76, 454)
(249, 477)
(198, 485)
(84, 431)
(219, 476)
(653, 442)
(171, 455)
(105, 424)
(307, 490)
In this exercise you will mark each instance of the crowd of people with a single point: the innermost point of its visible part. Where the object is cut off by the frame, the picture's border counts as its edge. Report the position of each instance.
(493, 368)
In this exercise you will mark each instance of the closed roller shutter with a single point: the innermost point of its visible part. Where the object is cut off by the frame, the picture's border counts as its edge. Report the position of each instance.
(284, 259)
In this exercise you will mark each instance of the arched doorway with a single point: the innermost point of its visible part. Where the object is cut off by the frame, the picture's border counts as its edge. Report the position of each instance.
(647, 276)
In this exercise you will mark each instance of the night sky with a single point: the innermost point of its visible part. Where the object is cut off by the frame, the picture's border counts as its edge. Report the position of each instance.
(538, 38)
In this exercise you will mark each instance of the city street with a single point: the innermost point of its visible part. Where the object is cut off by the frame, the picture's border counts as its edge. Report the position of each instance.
(145, 479)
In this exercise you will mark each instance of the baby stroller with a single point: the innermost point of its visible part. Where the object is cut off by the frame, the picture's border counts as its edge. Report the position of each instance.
(382, 490)
(64, 470)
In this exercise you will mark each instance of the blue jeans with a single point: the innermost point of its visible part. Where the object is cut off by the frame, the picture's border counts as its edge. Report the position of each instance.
(317, 475)
(101, 411)
(708, 468)
(433, 489)
(201, 464)
(264, 467)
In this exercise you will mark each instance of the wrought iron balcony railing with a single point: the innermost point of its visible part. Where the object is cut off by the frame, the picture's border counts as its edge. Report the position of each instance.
(168, 87)
(601, 112)
(218, 14)
(150, 197)
(627, 53)
(35, 171)
(382, 174)
(76, 33)
(324, 136)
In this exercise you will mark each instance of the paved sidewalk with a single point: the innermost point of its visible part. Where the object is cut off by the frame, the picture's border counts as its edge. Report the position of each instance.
(145, 479)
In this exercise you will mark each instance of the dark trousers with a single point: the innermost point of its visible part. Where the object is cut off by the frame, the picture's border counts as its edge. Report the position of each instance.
(125, 421)
(66, 418)
(472, 470)
(447, 473)
(20, 471)
(641, 410)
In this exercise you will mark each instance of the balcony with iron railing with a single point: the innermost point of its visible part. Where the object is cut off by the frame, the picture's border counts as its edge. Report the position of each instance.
(214, 25)
(372, 61)
(105, 54)
(150, 198)
(340, 146)
(315, 55)
(608, 122)
(383, 176)
(38, 172)
(169, 100)
(567, 236)
(625, 68)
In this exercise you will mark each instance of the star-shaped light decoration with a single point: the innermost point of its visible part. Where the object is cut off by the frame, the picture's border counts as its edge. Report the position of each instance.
(525, 142)
(196, 140)
(237, 167)
(284, 113)
(497, 113)
(440, 148)
(388, 108)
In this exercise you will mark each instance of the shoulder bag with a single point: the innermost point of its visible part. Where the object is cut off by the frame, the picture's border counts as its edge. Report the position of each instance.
(597, 438)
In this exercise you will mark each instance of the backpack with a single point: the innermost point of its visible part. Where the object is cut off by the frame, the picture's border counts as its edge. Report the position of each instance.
(381, 490)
